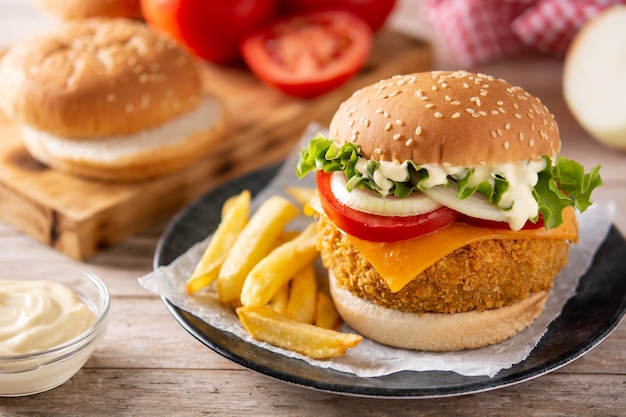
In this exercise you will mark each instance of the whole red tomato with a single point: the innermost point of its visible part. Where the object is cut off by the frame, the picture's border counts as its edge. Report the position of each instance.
(211, 29)
(374, 12)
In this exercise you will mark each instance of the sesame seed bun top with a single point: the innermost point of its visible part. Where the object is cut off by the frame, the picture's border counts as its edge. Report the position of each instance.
(446, 118)
(97, 77)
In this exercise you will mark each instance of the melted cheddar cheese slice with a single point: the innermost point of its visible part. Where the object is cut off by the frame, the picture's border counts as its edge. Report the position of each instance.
(399, 262)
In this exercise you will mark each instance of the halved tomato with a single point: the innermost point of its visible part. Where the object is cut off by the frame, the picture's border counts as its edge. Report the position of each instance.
(377, 228)
(306, 55)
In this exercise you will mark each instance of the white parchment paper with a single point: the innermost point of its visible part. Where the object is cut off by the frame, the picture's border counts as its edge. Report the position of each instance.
(370, 359)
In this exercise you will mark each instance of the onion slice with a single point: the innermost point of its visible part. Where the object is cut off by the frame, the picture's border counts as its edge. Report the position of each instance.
(368, 202)
(475, 205)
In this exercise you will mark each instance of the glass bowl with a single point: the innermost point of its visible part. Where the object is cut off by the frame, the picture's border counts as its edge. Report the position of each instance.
(31, 373)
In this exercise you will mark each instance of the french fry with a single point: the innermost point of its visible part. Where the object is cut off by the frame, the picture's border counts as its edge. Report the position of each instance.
(301, 194)
(278, 267)
(326, 315)
(302, 296)
(280, 300)
(234, 217)
(252, 244)
(266, 325)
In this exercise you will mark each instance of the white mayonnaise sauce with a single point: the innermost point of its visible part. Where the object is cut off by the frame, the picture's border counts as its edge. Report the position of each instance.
(517, 203)
(38, 315)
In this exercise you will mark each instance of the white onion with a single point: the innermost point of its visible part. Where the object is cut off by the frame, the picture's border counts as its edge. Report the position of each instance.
(368, 202)
(475, 205)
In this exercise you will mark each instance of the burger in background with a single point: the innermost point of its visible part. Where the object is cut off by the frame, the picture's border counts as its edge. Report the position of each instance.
(445, 210)
(109, 99)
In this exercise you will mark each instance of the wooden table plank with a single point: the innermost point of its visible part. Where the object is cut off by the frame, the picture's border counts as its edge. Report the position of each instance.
(213, 392)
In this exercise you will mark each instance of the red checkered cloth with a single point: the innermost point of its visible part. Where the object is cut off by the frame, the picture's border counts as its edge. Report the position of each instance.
(550, 25)
(477, 31)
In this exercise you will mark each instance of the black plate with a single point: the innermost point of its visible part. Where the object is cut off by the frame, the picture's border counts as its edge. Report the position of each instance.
(585, 321)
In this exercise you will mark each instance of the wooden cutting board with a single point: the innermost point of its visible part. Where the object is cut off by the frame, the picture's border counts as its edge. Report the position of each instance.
(80, 217)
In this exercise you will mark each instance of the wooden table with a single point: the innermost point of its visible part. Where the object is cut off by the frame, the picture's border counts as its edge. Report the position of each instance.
(149, 365)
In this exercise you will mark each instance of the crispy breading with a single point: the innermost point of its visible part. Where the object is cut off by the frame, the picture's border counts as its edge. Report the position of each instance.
(483, 275)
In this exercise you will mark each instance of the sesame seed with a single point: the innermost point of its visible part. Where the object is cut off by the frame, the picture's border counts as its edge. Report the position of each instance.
(506, 145)
(482, 112)
(501, 110)
(515, 106)
(494, 112)
(418, 130)
(532, 126)
(419, 93)
(399, 122)
(351, 124)
(507, 125)
(388, 126)
(366, 122)
(455, 102)
(475, 114)
(531, 143)
(434, 88)
(499, 131)
(395, 93)
(377, 151)
(379, 111)
(386, 114)
(448, 98)
(429, 106)
(397, 136)
(465, 85)
(408, 142)
(456, 115)
(444, 85)
(500, 103)
(469, 110)
(366, 100)
(438, 115)
(493, 134)
(424, 98)
(517, 116)
(521, 135)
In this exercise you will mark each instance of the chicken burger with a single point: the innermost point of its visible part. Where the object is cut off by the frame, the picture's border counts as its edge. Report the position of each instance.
(445, 210)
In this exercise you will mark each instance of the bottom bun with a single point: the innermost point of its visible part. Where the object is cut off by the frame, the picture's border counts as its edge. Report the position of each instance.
(143, 155)
(432, 331)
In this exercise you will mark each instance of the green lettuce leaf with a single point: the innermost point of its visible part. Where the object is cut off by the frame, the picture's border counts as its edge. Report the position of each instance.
(564, 184)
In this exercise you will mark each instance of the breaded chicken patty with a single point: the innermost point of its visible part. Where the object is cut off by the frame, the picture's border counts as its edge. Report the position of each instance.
(479, 276)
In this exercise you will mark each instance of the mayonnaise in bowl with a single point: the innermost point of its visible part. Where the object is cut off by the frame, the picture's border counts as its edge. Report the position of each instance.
(52, 316)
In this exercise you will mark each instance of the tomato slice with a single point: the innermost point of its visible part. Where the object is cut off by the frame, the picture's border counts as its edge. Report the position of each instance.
(377, 228)
(490, 224)
(308, 54)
